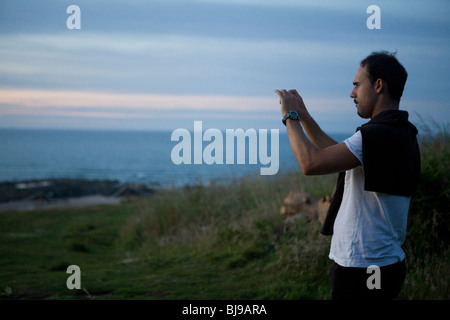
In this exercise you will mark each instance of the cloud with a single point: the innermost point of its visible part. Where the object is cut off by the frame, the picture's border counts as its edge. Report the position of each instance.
(175, 64)
(219, 58)
(28, 102)
(60, 99)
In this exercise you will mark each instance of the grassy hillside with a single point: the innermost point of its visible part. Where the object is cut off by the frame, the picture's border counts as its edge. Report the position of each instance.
(216, 242)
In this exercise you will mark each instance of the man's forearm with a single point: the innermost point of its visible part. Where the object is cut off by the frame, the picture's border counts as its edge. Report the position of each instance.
(304, 151)
(319, 154)
(319, 138)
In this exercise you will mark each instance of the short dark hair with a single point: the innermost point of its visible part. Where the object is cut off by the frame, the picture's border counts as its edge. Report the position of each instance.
(384, 65)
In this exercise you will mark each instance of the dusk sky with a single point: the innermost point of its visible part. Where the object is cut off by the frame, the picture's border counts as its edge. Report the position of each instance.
(161, 64)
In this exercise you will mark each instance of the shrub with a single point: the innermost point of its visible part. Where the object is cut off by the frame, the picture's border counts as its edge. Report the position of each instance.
(429, 221)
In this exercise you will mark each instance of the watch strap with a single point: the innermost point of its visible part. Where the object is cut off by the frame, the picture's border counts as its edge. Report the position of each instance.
(289, 115)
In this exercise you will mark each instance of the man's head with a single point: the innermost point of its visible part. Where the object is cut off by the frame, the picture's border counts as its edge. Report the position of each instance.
(378, 83)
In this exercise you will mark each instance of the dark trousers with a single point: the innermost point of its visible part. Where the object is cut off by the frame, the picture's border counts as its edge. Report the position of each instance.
(352, 283)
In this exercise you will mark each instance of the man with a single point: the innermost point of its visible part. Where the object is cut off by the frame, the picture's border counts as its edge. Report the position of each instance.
(378, 170)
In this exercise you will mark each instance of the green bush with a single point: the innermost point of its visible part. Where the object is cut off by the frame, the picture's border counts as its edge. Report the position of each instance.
(429, 215)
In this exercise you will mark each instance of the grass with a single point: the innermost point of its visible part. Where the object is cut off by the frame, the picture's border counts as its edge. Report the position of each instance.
(224, 241)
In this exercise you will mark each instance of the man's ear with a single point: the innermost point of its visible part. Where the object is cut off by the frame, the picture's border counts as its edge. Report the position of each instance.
(379, 85)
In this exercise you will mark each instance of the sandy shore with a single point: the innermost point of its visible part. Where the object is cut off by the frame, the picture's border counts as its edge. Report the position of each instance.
(23, 205)
(58, 193)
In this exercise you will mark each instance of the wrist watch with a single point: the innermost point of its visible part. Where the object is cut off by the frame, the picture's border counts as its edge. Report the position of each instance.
(290, 115)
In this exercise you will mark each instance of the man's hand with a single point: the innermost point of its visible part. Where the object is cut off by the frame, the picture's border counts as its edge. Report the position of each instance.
(291, 100)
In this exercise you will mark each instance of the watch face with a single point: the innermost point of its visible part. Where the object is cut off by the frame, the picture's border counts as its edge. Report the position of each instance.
(293, 114)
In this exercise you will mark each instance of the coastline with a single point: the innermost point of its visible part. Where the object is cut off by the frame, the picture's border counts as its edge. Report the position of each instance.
(66, 192)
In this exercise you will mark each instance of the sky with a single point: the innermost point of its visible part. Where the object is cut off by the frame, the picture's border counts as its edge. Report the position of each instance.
(162, 64)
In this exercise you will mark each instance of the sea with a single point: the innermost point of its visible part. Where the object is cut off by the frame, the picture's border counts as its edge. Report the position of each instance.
(142, 157)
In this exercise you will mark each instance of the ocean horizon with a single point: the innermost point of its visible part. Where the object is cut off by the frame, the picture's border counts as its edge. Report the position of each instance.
(124, 156)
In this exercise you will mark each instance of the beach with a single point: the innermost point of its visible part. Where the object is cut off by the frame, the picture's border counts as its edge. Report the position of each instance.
(57, 193)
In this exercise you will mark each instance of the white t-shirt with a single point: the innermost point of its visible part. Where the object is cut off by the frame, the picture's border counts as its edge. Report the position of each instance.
(370, 227)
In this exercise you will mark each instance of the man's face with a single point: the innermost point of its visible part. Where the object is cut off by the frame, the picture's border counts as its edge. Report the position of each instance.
(363, 93)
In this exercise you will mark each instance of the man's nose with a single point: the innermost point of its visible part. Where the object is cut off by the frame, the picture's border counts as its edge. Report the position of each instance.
(353, 94)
